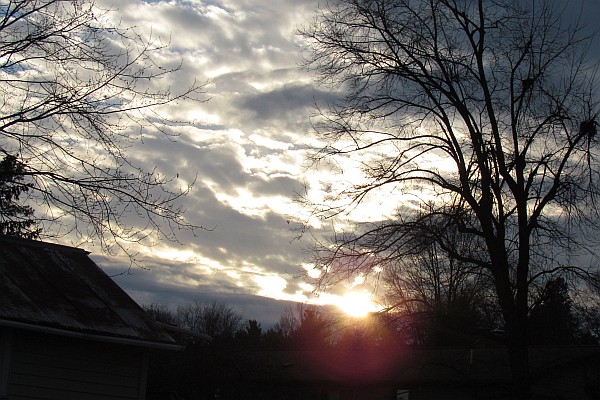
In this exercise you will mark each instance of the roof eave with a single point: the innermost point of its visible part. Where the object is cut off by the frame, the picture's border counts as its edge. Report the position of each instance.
(90, 336)
(183, 331)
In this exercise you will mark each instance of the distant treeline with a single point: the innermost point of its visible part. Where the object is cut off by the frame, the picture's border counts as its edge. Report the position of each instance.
(554, 319)
(213, 369)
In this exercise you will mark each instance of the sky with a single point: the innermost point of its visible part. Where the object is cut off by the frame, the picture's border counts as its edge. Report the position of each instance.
(247, 148)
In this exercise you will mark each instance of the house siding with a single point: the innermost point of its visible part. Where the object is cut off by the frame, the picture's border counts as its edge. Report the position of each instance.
(5, 350)
(53, 367)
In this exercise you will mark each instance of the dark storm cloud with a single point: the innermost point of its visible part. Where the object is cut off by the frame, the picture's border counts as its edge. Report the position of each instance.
(277, 186)
(281, 103)
(145, 288)
(239, 238)
(220, 165)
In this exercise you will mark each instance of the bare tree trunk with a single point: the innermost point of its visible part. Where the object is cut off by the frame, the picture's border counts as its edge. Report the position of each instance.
(518, 358)
(499, 90)
(515, 319)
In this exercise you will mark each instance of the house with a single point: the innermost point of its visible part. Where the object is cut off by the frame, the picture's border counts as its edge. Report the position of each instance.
(67, 331)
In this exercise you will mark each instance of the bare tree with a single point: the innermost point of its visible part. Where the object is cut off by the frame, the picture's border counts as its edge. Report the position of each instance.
(217, 320)
(160, 313)
(485, 113)
(438, 300)
(587, 311)
(288, 323)
(76, 91)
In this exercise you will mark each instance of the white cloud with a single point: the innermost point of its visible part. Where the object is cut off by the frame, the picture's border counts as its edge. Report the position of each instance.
(245, 146)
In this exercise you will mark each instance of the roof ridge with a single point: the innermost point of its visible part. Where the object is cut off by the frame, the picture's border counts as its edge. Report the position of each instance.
(40, 243)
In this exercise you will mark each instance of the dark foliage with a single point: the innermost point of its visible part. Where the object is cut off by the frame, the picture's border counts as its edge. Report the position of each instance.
(552, 319)
(160, 313)
(15, 219)
(250, 336)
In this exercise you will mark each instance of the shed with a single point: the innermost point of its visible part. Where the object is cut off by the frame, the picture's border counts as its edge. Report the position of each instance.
(67, 331)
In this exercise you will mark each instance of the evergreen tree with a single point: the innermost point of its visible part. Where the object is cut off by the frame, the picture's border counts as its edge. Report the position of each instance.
(15, 219)
(250, 336)
(552, 320)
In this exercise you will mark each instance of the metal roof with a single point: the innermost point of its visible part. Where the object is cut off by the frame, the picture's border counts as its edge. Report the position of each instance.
(59, 289)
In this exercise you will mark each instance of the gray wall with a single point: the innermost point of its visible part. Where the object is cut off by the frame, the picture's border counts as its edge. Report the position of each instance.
(45, 366)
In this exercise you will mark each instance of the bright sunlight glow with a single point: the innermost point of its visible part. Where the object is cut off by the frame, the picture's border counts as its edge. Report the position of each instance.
(357, 304)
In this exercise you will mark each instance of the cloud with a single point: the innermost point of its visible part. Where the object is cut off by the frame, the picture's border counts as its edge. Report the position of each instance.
(288, 102)
(245, 149)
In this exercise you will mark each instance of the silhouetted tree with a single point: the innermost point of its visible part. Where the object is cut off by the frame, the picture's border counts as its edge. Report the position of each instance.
(77, 90)
(217, 320)
(314, 330)
(374, 330)
(487, 107)
(304, 326)
(160, 313)
(273, 339)
(551, 319)
(15, 219)
(286, 326)
(587, 311)
(251, 335)
(443, 301)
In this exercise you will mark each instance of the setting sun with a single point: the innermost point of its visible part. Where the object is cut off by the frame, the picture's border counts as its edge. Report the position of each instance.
(357, 304)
